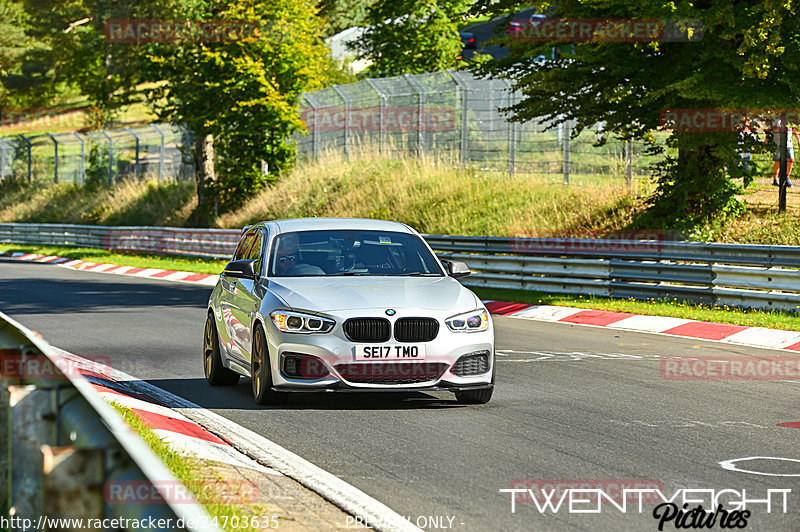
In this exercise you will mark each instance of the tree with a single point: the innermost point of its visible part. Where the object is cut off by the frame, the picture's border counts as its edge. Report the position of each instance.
(747, 55)
(79, 53)
(342, 14)
(242, 95)
(413, 36)
(14, 44)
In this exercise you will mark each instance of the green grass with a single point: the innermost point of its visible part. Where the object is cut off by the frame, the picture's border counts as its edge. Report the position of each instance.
(165, 262)
(195, 475)
(672, 308)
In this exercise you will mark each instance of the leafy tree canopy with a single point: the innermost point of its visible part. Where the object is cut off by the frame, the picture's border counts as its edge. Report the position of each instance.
(413, 36)
(747, 56)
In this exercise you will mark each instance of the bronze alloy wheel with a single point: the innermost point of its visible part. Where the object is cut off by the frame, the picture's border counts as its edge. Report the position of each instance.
(216, 373)
(261, 372)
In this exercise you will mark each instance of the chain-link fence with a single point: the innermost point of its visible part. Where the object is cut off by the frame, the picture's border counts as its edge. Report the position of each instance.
(157, 151)
(455, 115)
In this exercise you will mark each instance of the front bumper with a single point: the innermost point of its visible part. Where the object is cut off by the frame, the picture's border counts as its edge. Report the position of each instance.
(334, 349)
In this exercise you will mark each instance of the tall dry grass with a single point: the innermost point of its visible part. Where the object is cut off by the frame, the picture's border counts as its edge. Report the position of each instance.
(436, 196)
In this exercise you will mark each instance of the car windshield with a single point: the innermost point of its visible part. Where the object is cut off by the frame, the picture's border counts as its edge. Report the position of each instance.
(351, 252)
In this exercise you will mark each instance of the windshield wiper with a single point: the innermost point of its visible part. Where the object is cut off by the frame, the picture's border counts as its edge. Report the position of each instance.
(420, 274)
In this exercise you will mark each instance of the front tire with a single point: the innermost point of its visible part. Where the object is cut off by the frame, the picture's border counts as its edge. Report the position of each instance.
(261, 371)
(216, 373)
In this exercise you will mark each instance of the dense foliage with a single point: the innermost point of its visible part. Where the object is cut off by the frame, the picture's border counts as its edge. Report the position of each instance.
(746, 56)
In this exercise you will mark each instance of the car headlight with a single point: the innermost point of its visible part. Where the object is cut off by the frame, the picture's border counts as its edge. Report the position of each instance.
(474, 321)
(297, 322)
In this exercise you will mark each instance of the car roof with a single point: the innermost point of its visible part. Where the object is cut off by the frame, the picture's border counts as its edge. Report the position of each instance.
(310, 224)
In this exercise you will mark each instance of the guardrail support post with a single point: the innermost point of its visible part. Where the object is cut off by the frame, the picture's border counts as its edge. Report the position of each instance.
(136, 160)
(110, 156)
(31, 415)
(82, 174)
(30, 148)
(382, 126)
(162, 153)
(628, 162)
(346, 101)
(55, 158)
(5, 447)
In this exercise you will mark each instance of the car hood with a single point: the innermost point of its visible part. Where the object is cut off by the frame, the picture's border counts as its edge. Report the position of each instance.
(350, 293)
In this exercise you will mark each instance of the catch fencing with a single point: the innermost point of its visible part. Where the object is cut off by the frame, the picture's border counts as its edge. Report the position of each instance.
(61, 444)
(456, 116)
(641, 266)
(157, 151)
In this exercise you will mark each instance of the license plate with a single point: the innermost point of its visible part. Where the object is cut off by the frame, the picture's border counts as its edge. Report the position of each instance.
(371, 353)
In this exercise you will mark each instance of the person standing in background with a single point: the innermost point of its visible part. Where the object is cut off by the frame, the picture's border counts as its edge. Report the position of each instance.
(791, 132)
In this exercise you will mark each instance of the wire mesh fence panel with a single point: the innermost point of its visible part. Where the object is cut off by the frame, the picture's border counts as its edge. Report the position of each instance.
(158, 151)
(455, 115)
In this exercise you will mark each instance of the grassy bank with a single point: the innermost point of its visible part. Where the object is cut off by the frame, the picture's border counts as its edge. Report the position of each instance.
(216, 494)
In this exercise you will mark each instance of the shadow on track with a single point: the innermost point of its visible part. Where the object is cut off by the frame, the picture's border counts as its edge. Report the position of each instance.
(40, 294)
(240, 397)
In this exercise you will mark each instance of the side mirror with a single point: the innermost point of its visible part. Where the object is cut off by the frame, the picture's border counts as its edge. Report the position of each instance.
(457, 269)
(242, 269)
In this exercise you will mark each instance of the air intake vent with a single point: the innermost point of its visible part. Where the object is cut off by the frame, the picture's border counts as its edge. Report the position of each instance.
(416, 329)
(367, 329)
(476, 363)
(399, 373)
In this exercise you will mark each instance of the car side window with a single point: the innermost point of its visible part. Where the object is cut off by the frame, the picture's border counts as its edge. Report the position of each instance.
(244, 246)
(254, 252)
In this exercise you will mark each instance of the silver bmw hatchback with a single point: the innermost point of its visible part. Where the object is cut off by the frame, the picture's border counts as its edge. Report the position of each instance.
(323, 304)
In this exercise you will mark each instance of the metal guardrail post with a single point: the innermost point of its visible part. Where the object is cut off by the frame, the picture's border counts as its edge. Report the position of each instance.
(136, 159)
(346, 101)
(64, 445)
(110, 156)
(162, 153)
(628, 162)
(382, 117)
(82, 175)
(462, 89)
(512, 132)
(420, 90)
(565, 138)
(315, 132)
(30, 158)
(55, 158)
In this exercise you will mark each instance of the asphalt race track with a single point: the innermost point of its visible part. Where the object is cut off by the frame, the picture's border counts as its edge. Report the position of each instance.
(573, 403)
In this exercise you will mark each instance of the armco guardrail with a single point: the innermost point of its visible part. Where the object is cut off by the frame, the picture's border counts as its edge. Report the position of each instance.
(723, 274)
(727, 274)
(215, 243)
(63, 449)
